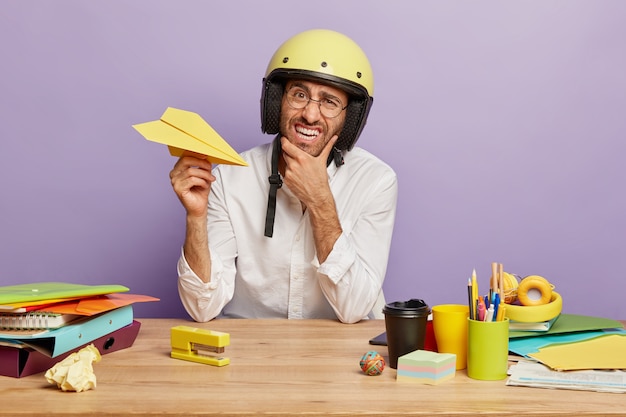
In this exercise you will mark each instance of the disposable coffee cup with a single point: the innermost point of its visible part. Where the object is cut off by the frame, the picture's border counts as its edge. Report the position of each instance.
(405, 324)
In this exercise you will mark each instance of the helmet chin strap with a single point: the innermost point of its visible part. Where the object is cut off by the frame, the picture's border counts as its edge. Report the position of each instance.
(276, 182)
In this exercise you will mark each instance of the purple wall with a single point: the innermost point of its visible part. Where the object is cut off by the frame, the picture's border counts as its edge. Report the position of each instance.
(504, 121)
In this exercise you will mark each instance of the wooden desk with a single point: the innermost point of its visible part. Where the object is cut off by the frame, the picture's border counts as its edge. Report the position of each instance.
(281, 368)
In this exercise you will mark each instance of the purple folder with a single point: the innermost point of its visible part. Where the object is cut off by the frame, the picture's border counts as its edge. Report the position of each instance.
(23, 361)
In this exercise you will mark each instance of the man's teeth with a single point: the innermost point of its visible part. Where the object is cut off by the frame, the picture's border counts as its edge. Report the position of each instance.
(307, 133)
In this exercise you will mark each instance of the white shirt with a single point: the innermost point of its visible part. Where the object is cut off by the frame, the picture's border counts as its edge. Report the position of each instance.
(254, 276)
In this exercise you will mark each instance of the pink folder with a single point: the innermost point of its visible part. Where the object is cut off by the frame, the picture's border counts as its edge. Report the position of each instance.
(18, 362)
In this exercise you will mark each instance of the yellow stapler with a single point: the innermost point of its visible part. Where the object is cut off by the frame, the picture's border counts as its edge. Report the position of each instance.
(199, 345)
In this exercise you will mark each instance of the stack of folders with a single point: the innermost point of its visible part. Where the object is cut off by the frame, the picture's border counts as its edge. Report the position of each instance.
(43, 323)
(576, 352)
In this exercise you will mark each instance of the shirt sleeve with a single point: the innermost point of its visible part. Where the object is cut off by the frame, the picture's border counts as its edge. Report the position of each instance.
(339, 260)
(352, 275)
(203, 301)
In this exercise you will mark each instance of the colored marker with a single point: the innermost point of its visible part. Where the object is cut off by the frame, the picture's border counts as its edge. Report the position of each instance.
(481, 309)
(489, 315)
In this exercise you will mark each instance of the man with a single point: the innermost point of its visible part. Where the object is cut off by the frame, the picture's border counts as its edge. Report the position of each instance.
(304, 231)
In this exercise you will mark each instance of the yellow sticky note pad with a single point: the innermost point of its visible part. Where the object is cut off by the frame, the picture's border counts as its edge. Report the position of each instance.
(603, 352)
(182, 130)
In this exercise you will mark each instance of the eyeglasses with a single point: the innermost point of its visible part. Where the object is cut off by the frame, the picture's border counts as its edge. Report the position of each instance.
(330, 107)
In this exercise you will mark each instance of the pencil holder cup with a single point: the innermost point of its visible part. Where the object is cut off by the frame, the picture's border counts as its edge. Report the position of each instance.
(450, 328)
(488, 349)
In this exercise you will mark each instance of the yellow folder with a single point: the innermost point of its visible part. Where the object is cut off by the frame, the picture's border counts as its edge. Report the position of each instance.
(182, 130)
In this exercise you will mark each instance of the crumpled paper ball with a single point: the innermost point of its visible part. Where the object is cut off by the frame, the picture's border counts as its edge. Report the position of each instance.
(75, 373)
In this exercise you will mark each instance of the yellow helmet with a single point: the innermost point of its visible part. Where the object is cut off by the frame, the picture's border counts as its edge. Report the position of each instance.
(323, 56)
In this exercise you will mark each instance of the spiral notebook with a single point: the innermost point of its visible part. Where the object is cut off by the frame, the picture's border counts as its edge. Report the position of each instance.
(34, 320)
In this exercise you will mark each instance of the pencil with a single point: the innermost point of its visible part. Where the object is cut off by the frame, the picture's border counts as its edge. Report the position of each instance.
(470, 298)
(474, 293)
(501, 311)
(501, 282)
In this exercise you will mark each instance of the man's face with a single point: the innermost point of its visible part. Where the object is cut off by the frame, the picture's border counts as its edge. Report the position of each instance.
(307, 127)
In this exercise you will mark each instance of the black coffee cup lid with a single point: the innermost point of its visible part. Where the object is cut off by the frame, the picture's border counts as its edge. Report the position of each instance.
(411, 308)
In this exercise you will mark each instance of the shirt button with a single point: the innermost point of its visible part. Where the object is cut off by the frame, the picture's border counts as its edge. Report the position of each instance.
(297, 238)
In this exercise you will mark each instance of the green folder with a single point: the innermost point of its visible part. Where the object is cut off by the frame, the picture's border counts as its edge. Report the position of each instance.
(40, 291)
(569, 323)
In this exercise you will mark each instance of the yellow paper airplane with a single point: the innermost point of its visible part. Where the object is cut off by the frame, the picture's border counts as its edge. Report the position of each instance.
(183, 130)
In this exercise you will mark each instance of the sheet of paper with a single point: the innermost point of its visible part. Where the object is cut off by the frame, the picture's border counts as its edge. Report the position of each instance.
(182, 130)
(603, 352)
(532, 374)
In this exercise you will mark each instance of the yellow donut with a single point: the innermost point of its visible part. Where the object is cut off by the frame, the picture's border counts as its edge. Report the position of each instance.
(534, 290)
(534, 314)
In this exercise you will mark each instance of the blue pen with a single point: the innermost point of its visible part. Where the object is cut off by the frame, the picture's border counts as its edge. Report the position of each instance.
(496, 304)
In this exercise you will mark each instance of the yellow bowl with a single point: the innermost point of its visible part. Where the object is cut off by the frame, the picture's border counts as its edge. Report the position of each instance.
(534, 314)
